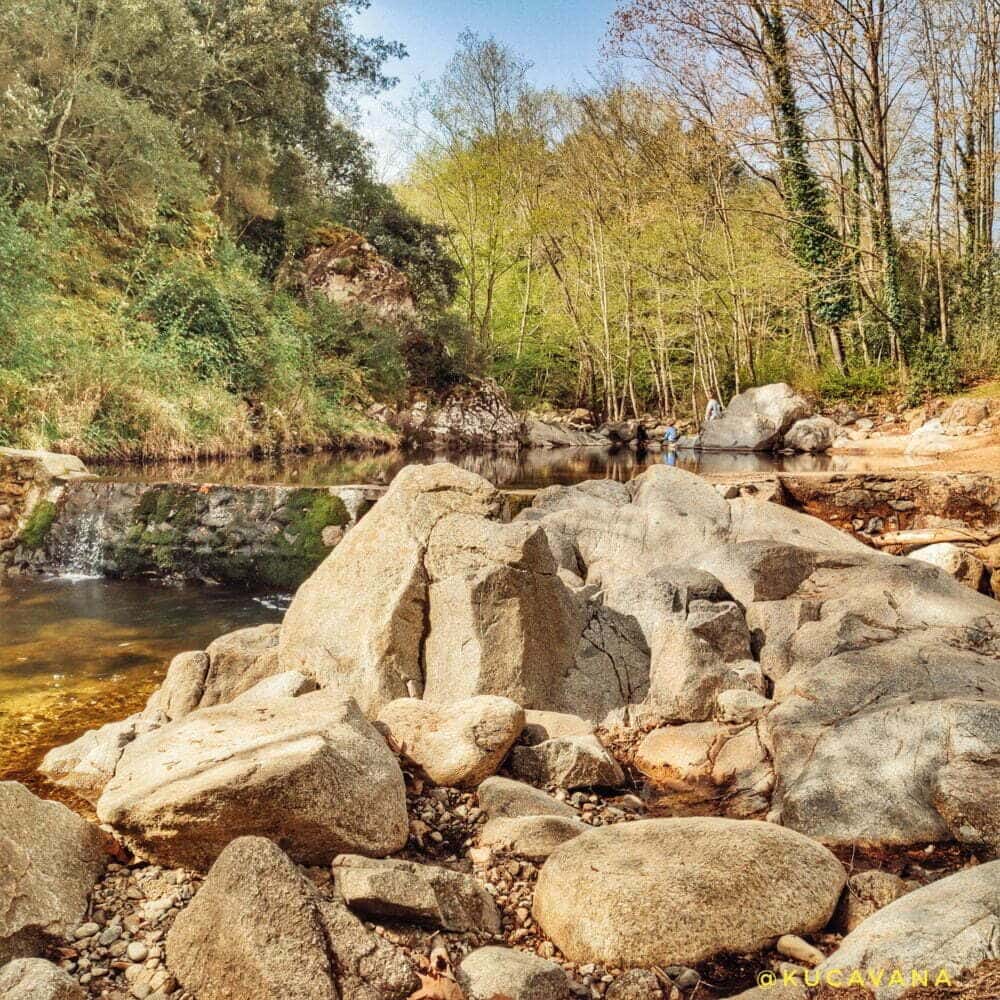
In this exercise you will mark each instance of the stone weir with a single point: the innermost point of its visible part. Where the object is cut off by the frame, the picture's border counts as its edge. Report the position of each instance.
(59, 520)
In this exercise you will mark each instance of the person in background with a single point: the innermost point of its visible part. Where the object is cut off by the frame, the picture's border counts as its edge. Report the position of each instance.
(713, 410)
(670, 435)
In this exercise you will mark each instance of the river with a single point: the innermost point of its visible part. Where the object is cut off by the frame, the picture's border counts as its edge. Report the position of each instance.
(76, 653)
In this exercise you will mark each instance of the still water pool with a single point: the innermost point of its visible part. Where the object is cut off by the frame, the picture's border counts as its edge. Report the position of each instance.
(75, 654)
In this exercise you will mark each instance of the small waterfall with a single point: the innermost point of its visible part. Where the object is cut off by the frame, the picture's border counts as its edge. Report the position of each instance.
(79, 552)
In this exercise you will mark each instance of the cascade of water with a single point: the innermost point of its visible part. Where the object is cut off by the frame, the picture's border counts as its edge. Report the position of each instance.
(79, 554)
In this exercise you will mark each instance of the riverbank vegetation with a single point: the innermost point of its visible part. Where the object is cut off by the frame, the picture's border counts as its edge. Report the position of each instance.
(799, 191)
(795, 191)
(159, 176)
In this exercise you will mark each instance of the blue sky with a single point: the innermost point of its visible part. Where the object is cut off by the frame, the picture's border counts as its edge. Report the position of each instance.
(563, 39)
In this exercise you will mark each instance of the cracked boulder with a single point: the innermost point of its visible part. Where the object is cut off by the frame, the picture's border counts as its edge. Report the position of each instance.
(258, 929)
(500, 620)
(310, 772)
(50, 859)
(359, 622)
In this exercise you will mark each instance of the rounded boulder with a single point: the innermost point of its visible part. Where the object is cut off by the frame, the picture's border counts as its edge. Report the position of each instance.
(679, 891)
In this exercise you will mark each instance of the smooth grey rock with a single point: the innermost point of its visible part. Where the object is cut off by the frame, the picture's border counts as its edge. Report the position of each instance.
(506, 799)
(951, 924)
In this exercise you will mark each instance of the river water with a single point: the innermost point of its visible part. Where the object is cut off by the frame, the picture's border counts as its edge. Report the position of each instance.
(77, 652)
(525, 469)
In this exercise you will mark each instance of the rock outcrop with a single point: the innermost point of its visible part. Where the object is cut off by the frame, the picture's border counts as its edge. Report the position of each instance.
(309, 772)
(344, 267)
(476, 413)
(613, 895)
(49, 861)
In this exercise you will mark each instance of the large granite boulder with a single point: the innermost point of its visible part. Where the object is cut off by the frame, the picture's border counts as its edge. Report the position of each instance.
(359, 621)
(755, 420)
(87, 764)
(50, 860)
(458, 745)
(310, 773)
(257, 929)
(233, 665)
(37, 979)
(500, 620)
(952, 925)
(613, 895)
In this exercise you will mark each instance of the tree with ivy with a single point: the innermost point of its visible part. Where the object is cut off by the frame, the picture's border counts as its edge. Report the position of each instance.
(815, 243)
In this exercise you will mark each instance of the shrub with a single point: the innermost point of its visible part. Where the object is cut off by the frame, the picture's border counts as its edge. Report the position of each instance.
(933, 371)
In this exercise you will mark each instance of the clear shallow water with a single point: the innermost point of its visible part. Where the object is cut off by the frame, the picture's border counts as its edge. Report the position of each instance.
(77, 654)
(526, 469)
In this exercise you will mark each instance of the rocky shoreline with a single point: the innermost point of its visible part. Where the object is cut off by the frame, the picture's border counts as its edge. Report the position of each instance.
(631, 744)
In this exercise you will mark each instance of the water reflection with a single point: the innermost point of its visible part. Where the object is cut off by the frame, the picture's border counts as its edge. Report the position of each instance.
(74, 655)
(526, 469)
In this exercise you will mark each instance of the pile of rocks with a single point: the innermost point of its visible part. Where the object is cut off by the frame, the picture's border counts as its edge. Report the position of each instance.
(406, 789)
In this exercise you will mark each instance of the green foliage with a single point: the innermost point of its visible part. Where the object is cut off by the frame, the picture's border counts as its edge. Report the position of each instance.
(38, 525)
(860, 383)
(933, 371)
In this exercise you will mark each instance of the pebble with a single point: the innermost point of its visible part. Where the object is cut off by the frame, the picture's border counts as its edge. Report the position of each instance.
(792, 946)
(137, 951)
(86, 931)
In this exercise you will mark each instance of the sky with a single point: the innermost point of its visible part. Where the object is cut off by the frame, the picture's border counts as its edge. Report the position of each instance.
(562, 38)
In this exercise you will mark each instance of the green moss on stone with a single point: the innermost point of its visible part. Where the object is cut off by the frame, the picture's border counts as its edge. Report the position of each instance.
(163, 504)
(39, 523)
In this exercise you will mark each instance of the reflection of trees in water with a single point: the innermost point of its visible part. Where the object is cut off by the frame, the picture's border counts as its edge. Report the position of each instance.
(525, 469)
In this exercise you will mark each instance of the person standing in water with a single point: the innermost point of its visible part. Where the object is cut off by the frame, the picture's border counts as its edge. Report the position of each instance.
(713, 410)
